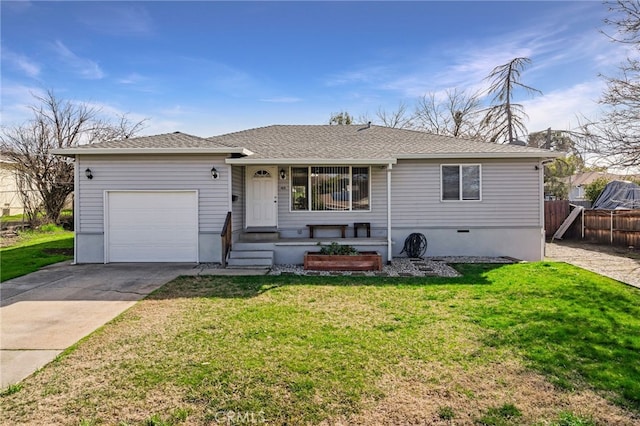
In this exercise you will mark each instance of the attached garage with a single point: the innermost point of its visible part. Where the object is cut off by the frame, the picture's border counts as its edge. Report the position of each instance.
(151, 226)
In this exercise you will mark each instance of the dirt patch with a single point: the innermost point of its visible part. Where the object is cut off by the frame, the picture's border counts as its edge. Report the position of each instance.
(8, 239)
(60, 251)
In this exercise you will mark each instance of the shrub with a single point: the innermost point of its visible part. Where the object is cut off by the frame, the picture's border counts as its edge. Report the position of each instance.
(337, 249)
(593, 189)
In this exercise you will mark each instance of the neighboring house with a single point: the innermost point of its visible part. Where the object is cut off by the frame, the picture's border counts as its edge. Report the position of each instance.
(10, 201)
(165, 198)
(579, 181)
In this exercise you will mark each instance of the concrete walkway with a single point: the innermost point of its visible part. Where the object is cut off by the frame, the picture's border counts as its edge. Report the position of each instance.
(45, 312)
(614, 262)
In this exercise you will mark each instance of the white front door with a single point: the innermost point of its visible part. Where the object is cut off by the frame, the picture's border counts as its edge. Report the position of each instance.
(262, 196)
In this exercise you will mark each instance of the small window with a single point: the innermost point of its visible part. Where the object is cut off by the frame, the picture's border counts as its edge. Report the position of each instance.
(299, 188)
(262, 174)
(460, 182)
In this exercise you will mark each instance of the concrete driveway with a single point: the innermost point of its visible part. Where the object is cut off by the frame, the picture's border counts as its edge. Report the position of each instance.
(47, 311)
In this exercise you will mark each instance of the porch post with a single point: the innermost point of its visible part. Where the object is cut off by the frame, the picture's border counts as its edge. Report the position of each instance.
(389, 246)
(230, 188)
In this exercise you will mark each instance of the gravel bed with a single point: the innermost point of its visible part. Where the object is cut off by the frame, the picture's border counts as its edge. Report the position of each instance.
(400, 267)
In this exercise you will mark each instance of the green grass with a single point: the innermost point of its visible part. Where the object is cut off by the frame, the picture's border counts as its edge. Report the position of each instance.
(302, 350)
(35, 249)
(504, 415)
(569, 324)
(21, 217)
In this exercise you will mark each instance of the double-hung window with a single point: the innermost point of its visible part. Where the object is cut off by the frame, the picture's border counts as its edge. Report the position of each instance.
(460, 182)
(330, 188)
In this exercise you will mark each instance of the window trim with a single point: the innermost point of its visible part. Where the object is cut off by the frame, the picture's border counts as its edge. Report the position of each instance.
(460, 187)
(309, 206)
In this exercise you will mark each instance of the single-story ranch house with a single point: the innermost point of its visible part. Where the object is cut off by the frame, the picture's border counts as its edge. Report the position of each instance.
(272, 193)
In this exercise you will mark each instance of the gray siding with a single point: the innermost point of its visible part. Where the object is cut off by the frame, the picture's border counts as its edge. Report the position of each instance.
(148, 173)
(153, 173)
(510, 196)
(238, 189)
(293, 223)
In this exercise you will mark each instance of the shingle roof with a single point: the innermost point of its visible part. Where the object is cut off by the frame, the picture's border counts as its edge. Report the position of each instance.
(168, 143)
(360, 142)
(314, 142)
(166, 140)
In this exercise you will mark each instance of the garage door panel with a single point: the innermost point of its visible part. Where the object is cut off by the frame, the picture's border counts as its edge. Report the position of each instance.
(140, 238)
(160, 226)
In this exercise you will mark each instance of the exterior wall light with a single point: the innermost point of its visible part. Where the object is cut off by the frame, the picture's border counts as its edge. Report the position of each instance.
(283, 174)
(88, 174)
(214, 173)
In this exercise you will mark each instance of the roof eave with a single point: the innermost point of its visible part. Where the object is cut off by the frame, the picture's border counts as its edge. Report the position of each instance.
(72, 152)
(310, 161)
(475, 155)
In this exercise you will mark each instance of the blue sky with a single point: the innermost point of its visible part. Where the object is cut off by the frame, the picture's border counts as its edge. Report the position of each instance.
(208, 68)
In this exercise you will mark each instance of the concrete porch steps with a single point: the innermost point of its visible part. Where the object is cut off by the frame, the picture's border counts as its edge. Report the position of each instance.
(259, 236)
(244, 258)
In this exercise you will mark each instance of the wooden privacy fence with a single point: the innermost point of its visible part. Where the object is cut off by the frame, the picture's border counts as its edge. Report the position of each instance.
(618, 227)
(555, 212)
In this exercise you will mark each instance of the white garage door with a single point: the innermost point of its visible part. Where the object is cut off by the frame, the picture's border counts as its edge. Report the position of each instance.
(154, 226)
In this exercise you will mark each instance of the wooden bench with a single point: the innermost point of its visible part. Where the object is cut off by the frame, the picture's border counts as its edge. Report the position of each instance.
(343, 228)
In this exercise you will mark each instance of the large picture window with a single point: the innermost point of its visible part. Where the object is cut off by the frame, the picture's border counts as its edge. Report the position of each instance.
(460, 182)
(330, 188)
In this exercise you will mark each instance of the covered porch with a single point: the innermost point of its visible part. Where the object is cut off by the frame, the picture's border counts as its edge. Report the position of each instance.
(289, 209)
(247, 250)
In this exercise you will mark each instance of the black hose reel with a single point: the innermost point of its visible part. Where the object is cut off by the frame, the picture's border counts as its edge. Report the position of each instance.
(415, 245)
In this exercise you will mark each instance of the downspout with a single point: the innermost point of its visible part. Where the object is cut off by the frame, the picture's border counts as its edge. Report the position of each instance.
(389, 243)
(76, 216)
(541, 207)
(229, 209)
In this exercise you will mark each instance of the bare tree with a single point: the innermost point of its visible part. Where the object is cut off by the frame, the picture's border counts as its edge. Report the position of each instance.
(457, 115)
(397, 119)
(56, 124)
(615, 138)
(504, 119)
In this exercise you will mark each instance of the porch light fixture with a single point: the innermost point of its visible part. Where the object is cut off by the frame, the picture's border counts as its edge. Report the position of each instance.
(88, 174)
(214, 173)
(283, 174)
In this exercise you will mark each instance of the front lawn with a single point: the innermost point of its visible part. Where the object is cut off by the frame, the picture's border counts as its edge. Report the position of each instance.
(539, 343)
(34, 249)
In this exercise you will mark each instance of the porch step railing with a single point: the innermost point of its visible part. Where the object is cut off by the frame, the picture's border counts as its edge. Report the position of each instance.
(225, 236)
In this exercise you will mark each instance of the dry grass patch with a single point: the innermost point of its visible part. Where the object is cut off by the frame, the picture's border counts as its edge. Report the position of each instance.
(437, 394)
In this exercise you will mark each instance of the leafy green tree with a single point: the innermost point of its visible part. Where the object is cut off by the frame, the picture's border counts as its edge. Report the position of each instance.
(556, 176)
(504, 119)
(592, 190)
(341, 118)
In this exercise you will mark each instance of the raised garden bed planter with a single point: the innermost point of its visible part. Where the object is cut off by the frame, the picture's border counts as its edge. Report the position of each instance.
(363, 261)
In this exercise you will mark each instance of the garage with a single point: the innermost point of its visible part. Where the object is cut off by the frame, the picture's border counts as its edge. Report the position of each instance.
(151, 226)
